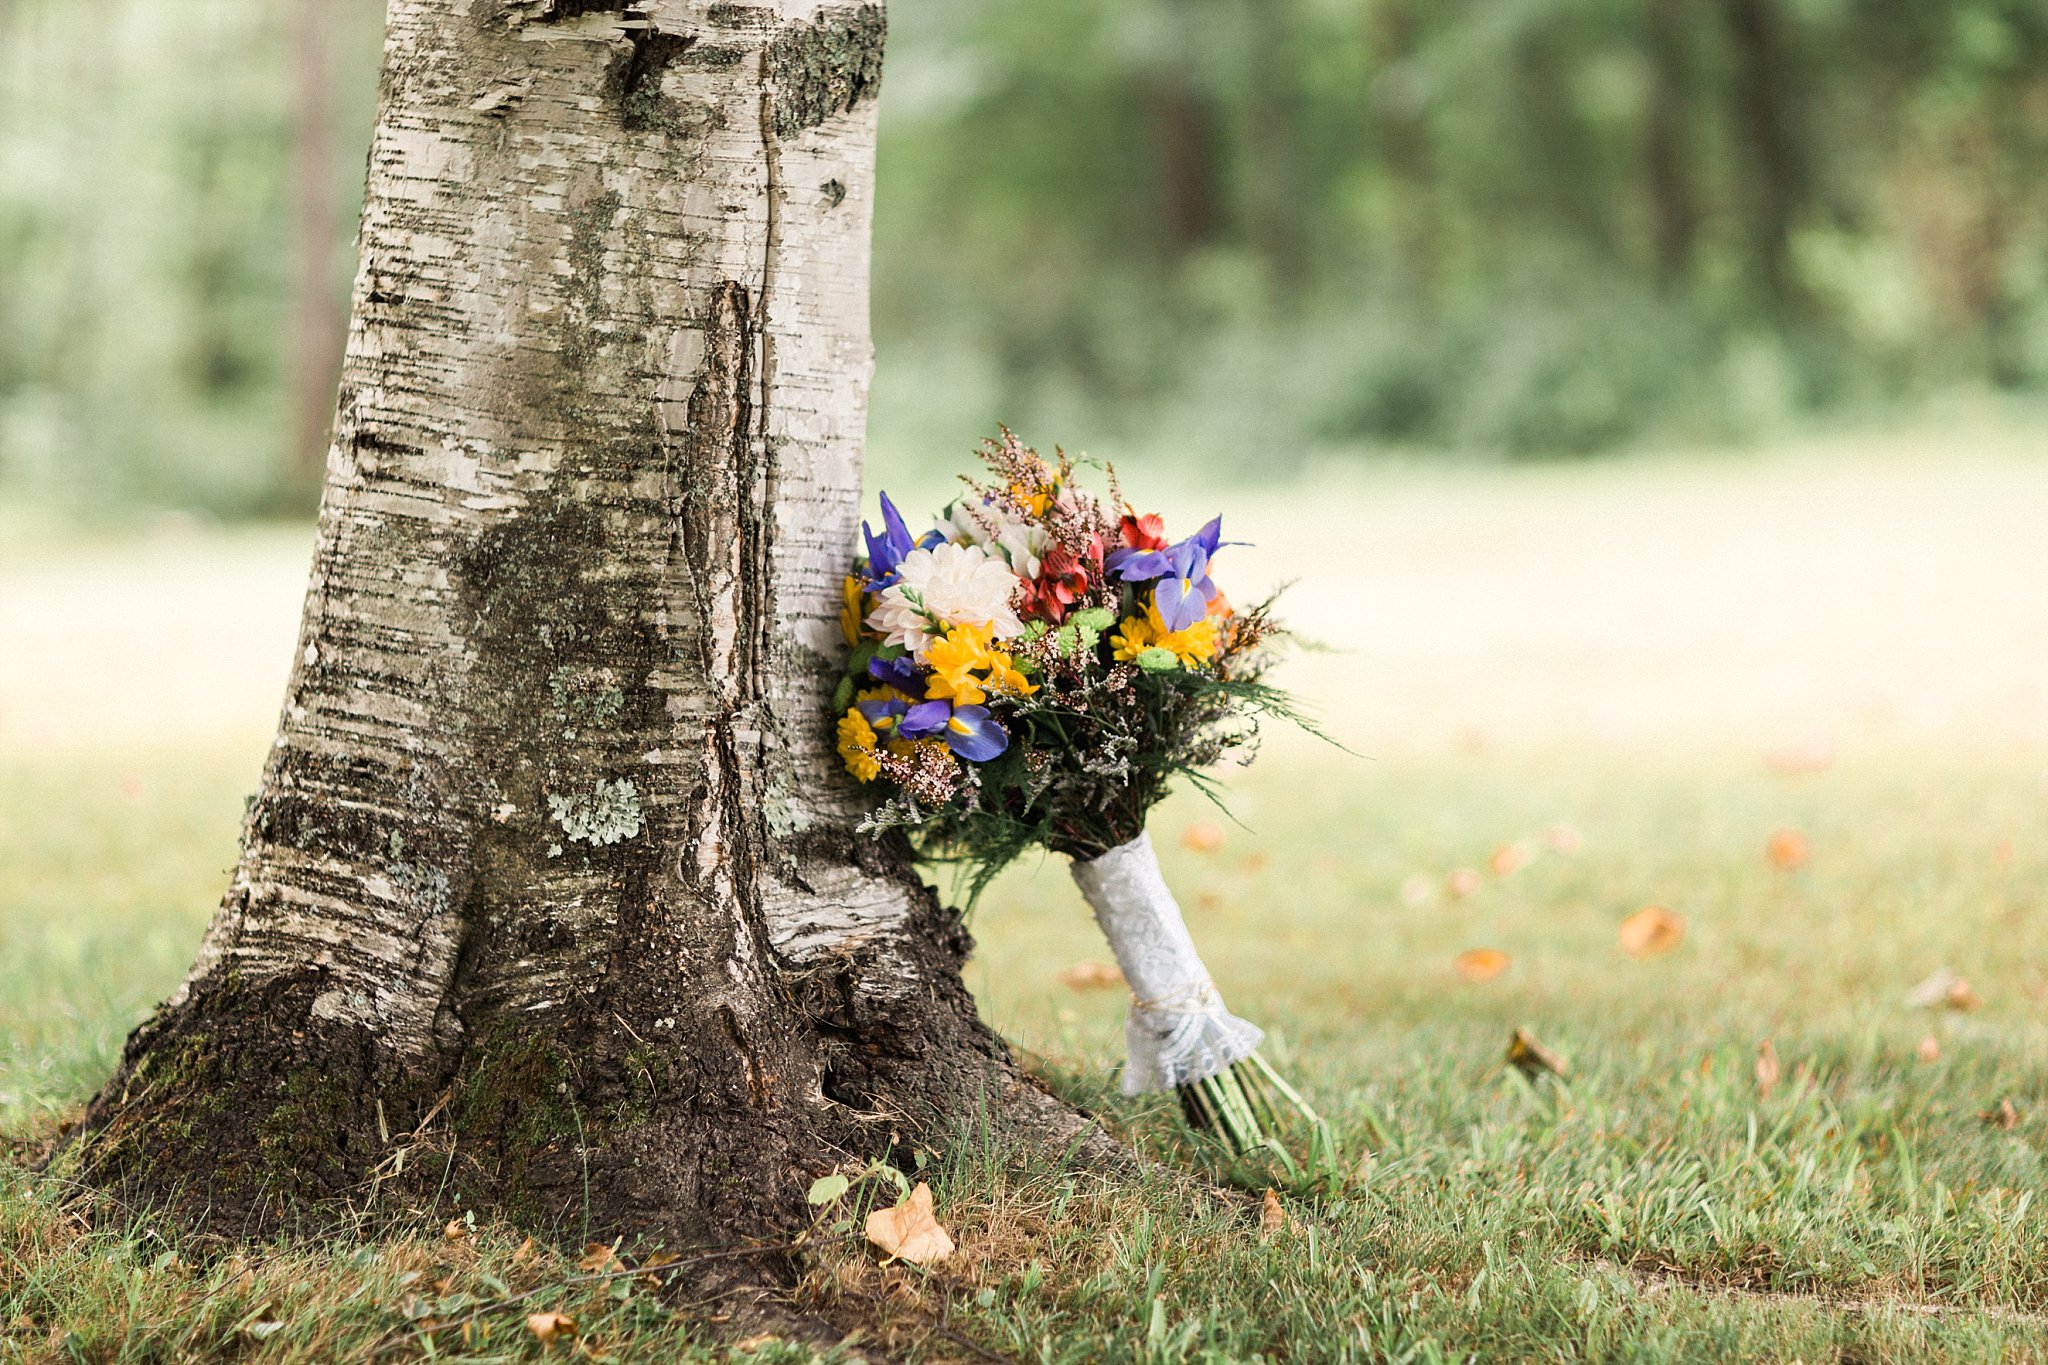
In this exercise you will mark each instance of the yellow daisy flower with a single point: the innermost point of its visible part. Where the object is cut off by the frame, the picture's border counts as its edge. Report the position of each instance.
(857, 746)
(1195, 645)
(1131, 639)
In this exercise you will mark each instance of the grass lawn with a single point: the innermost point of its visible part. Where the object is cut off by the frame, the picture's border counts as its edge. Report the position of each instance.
(1574, 692)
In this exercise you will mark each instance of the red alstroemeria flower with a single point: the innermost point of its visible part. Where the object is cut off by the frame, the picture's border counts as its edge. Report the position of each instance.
(1062, 581)
(1144, 533)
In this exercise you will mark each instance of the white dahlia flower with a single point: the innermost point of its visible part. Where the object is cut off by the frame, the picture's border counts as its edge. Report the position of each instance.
(947, 585)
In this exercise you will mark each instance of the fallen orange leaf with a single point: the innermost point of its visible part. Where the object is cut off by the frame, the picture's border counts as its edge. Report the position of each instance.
(1480, 964)
(1528, 1055)
(1787, 849)
(1202, 837)
(910, 1231)
(1767, 1070)
(2005, 1116)
(1272, 1217)
(1507, 859)
(1090, 975)
(547, 1326)
(1650, 931)
(1943, 989)
(598, 1257)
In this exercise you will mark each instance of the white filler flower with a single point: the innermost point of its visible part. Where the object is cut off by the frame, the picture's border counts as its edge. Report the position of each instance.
(947, 585)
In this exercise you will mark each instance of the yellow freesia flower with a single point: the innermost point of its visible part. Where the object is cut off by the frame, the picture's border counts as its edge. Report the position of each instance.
(857, 746)
(953, 662)
(1003, 676)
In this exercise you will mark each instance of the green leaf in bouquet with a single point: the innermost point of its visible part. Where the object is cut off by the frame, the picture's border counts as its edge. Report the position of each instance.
(1067, 639)
(1157, 660)
(1004, 772)
(887, 652)
(1033, 630)
(842, 696)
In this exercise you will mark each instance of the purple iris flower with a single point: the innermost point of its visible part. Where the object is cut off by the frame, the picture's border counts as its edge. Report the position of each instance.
(884, 715)
(1135, 566)
(969, 731)
(899, 673)
(1184, 593)
(886, 551)
(1139, 566)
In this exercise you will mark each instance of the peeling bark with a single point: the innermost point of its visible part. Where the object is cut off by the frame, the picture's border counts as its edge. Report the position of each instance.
(551, 867)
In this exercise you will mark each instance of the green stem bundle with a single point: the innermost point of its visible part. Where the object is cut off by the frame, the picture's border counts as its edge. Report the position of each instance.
(1246, 1106)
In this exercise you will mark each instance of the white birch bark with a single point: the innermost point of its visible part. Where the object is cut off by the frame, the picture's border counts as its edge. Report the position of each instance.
(593, 486)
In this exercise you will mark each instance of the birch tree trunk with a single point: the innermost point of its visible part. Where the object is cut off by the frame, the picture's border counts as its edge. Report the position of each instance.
(551, 888)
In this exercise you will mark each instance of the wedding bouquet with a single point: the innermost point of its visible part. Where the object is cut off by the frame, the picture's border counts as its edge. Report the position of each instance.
(1035, 670)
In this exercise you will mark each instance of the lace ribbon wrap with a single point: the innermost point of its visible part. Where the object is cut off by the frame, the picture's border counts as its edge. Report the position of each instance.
(1178, 1031)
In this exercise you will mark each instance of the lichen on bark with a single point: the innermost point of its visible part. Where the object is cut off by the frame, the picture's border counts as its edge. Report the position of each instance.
(818, 70)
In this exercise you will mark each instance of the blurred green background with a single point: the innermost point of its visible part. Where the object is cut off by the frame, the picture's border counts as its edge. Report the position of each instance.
(1259, 231)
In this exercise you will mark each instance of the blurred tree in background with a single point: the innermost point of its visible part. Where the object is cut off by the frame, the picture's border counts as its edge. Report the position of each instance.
(1524, 227)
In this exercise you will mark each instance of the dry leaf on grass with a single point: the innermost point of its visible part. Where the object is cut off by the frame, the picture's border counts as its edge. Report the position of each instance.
(2003, 1117)
(1943, 990)
(528, 1249)
(1650, 931)
(1202, 837)
(1462, 883)
(599, 1258)
(1480, 964)
(1528, 1055)
(547, 1326)
(456, 1231)
(1272, 1217)
(757, 1341)
(910, 1231)
(1787, 850)
(1767, 1069)
(1090, 975)
(1929, 1049)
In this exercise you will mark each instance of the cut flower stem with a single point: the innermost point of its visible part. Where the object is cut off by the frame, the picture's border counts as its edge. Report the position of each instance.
(1246, 1106)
